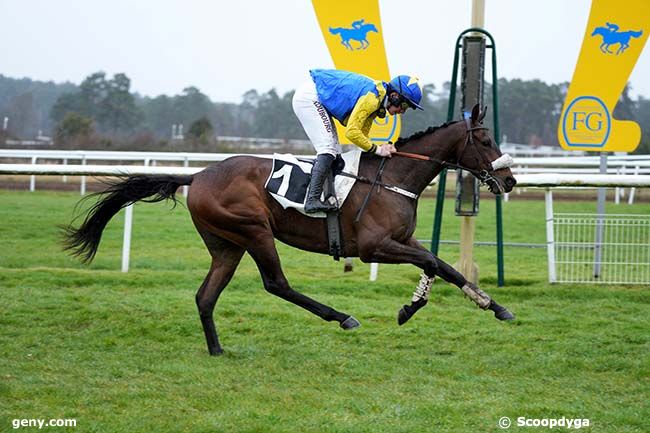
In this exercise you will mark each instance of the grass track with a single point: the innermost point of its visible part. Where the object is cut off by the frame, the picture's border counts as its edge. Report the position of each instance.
(125, 352)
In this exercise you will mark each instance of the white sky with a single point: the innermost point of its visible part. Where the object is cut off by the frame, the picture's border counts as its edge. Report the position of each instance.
(228, 47)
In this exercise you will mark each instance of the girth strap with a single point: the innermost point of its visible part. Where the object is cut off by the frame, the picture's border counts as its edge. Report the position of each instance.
(334, 238)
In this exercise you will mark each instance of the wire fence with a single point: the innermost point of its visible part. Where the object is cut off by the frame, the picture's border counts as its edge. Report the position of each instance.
(611, 249)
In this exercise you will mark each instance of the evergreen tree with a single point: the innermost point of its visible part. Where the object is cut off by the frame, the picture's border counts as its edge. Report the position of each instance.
(201, 129)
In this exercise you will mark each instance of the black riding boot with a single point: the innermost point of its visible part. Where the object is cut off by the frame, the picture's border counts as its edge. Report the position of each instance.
(318, 176)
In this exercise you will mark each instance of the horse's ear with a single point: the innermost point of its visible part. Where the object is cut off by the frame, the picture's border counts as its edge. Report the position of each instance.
(482, 115)
(475, 114)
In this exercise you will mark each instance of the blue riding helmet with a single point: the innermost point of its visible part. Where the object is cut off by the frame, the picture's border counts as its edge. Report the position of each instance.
(409, 88)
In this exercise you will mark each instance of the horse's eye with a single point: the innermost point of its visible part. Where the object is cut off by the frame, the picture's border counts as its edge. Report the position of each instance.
(487, 143)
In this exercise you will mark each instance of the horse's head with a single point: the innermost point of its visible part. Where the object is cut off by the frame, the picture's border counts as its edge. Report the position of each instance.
(477, 152)
(600, 31)
(369, 28)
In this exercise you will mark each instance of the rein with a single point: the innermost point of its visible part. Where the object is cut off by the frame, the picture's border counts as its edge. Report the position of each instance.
(445, 164)
(481, 175)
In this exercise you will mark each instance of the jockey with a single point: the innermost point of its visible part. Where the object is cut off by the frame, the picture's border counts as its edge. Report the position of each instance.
(354, 100)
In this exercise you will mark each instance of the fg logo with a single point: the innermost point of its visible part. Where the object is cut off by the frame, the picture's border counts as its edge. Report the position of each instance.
(586, 122)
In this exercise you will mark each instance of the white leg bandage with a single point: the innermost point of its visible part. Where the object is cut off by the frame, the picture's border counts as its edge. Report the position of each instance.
(477, 295)
(423, 289)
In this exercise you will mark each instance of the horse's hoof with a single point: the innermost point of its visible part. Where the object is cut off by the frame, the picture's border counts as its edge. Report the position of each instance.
(407, 311)
(216, 352)
(504, 315)
(350, 323)
(403, 316)
(500, 312)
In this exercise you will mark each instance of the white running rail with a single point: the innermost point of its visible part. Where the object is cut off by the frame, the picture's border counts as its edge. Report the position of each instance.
(543, 180)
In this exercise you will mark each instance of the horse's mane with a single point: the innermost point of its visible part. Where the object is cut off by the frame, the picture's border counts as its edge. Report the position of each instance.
(419, 134)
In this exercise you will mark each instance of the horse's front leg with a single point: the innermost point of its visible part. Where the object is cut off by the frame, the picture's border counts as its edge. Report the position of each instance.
(390, 251)
(478, 296)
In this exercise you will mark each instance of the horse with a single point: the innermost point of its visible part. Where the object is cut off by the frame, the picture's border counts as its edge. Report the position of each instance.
(611, 37)
(234, 214)
(357, 33)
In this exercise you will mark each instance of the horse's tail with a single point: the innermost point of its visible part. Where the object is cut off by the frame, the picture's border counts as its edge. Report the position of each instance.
(336, 30)
(83, 242)
(636, 34)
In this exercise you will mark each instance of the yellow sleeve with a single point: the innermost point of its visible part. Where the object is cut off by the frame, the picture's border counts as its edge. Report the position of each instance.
(360, 121)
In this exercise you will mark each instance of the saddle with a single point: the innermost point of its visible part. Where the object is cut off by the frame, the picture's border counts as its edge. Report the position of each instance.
(289, 180)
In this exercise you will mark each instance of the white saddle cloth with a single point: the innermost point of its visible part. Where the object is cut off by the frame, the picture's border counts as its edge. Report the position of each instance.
(289, 180)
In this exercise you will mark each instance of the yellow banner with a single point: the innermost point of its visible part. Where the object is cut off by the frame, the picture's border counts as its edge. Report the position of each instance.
(353, 34)
(615, 36)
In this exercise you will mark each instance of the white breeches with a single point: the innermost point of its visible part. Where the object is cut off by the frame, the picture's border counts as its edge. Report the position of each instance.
(315, 120)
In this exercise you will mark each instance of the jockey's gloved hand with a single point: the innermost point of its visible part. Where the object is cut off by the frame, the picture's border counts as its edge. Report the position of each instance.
(385, 150)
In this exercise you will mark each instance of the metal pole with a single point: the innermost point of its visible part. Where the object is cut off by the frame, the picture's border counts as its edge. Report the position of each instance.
(186, 188)
(478, 13)
(126, 244)
(550, 237)
(497, 138)
(65, 178)
(442, 177)
(474, 72)
(442, 181)
(32, 178)
(602, 195)
(374, 270)
(500, 261)
(83, 178)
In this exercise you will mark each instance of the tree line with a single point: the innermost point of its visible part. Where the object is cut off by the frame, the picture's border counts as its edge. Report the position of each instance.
(103, 112)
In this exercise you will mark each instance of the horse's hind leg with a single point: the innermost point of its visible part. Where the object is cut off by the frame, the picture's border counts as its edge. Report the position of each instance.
(225, 258)
(268, 263)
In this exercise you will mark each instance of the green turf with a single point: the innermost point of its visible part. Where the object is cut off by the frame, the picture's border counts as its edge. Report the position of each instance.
(125, 352)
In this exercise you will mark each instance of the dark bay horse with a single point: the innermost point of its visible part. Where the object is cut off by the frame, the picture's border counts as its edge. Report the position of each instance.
(234, 214)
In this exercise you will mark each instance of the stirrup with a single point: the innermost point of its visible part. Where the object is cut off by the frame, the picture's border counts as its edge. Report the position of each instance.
(319, 206)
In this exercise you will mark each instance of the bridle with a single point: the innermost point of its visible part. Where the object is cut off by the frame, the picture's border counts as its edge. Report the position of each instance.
(483, 176)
